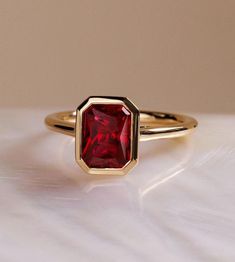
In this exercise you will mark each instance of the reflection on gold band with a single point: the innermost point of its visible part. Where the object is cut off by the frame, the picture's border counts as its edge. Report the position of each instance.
(153, 125)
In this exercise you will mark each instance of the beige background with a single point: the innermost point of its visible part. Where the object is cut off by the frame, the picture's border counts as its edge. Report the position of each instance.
(172, 55)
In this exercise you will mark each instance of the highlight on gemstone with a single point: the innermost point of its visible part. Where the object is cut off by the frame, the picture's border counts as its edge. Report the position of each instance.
(106, 136)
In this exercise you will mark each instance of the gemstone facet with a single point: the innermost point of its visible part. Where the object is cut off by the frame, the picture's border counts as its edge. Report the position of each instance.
(106, 136)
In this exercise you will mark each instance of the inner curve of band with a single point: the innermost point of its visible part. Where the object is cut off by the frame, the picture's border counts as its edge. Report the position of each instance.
(153, 125)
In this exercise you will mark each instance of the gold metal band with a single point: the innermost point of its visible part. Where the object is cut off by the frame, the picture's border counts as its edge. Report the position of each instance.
(153, 125)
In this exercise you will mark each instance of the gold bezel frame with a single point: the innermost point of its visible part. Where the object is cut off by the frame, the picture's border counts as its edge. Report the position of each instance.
(134, 134)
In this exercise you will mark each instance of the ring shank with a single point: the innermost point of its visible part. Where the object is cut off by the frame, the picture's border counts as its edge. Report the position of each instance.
(153, 125)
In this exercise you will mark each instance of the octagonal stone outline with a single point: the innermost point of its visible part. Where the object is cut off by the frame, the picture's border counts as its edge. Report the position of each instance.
(134, 134)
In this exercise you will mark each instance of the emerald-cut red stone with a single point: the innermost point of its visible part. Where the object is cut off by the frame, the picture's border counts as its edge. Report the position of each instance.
(106, 136)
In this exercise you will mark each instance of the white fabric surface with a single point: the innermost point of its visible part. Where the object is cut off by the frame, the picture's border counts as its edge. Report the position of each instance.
(178, 204)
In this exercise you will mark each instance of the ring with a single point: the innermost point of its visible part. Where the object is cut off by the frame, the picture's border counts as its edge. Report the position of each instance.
(107, 131)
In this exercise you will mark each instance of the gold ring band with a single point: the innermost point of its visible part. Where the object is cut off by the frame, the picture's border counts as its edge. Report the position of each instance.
(107, 131)
(153, 125)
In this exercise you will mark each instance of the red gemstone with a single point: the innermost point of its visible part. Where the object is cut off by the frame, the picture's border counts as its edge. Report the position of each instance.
(106, 136)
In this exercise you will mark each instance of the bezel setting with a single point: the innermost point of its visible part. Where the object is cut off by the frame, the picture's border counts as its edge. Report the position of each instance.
(134, 138)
